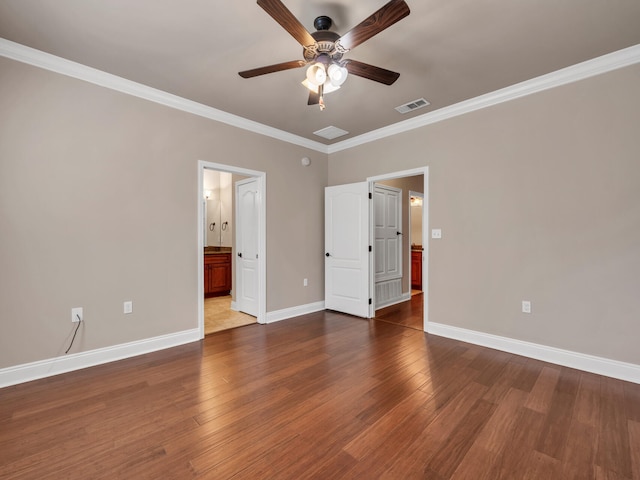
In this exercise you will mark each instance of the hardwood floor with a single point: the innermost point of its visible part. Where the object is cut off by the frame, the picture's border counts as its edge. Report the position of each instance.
(324, 396)
(408, 314)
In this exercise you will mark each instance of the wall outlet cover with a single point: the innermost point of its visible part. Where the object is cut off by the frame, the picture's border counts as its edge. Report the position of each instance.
(77, 315)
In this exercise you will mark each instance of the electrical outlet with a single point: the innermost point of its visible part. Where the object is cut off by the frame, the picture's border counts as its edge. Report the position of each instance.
(526, 306)
(128, 306)
(436, 233)
(77, 315)
(305, 282)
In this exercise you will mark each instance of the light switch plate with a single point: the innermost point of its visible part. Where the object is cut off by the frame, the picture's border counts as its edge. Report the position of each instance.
(128, 307)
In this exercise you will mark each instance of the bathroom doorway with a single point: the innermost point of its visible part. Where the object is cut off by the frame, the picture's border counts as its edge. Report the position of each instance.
(219, 228)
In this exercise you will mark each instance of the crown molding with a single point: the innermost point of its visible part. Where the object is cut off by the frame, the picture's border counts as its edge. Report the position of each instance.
(37, 58)
(606, 63)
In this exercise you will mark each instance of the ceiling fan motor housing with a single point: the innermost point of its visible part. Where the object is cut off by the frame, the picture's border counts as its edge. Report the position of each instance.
(322, 23)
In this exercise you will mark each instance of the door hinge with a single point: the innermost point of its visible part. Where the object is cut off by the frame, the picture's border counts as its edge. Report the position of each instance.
(370, 248)
(370, 301)
(370, 195)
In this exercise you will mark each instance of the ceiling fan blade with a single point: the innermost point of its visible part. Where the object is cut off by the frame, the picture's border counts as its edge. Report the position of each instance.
(314, 98)
(278, 67)
(370, 72)
(386, 16)
(285, 18)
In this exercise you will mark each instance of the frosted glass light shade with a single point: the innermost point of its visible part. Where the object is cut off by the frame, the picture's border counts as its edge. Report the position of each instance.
(316, 74)
(328, 87)
(337, 74)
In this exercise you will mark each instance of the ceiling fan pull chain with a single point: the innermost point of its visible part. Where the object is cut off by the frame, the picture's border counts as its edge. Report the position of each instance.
(321, 100)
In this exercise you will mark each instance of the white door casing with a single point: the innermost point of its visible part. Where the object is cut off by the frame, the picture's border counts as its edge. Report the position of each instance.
(347, 253)
(248, 197)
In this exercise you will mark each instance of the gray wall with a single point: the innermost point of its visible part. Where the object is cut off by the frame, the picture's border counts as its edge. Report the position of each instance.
(98, 205)
(538, 199)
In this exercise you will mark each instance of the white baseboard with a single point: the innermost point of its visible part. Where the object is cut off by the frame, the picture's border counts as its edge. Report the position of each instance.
(76, 361)
(285, 313)
(394, 301)
(588, 363)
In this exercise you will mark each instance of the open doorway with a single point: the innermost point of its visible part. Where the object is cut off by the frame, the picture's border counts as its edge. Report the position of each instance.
(412, 301)
(416, 201)
(219, 231)
(349, 247)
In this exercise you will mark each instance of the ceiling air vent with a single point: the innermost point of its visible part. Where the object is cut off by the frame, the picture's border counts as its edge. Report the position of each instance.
(411, 106)
(330, 132)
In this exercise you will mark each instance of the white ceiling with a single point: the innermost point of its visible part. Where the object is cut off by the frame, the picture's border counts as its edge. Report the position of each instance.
(446, 51)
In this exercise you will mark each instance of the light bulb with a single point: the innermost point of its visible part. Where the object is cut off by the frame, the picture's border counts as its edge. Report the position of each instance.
(316, 74)
(337, 74)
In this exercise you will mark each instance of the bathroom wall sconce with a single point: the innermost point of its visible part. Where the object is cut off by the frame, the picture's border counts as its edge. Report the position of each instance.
(306, 161)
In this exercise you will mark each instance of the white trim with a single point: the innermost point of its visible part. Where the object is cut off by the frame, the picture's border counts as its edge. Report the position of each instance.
(261, 177)
(605, 63)
(285, 313)
(574, 73)
(588, 363)
(402, 298)
(401, 174)
(37, 58)
(76, 361)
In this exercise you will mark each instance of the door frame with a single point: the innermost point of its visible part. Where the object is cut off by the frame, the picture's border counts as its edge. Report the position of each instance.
(425, 238)
(421, 195)
(261, 177)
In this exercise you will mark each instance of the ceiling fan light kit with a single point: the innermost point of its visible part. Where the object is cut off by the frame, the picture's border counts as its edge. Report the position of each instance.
(323, 50)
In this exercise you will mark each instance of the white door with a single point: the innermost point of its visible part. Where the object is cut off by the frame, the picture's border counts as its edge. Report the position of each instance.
(346, 275)
(248, 198)
(387, 210)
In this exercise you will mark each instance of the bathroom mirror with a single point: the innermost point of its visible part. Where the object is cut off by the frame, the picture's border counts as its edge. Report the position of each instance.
(217, 212)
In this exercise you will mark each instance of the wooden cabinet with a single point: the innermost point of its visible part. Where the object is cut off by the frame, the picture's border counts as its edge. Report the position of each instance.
(217, 274)
(416, 269)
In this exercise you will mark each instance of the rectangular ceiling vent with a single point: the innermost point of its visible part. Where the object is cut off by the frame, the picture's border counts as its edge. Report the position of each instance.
(411, 106)
(330, 132)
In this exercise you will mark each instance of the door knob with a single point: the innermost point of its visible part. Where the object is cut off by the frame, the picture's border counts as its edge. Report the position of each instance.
(327, 254)
(240, 254)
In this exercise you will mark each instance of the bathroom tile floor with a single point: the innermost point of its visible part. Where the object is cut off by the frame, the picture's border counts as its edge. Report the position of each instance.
(219, 316)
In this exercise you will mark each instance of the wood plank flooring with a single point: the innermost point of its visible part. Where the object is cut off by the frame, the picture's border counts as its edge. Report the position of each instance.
(408, 314)
(324, 396)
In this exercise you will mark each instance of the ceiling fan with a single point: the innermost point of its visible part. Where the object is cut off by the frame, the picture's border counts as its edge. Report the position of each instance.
(323, 50)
